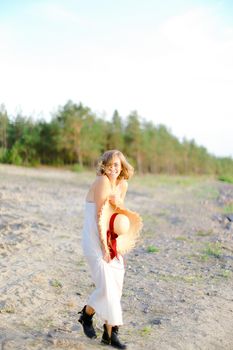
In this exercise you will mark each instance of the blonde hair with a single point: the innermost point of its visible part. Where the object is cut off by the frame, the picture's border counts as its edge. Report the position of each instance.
(126, 171)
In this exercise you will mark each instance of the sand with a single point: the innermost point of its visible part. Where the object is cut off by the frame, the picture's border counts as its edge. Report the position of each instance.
(178, 284)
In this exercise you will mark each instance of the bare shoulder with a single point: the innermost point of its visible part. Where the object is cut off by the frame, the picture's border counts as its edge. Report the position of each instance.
(102, 180)
(124, 184)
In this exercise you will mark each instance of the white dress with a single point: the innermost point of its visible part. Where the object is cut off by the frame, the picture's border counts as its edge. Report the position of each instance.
(108, 277)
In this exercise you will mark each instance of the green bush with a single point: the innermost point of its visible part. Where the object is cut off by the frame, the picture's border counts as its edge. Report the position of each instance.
(228, 208)
(14, 156)
(3, 154)
(226, 178)
(78, 168)
(152, 249)
(213, 249)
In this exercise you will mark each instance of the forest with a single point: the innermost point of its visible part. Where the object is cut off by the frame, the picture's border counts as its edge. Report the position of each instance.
(76, 136)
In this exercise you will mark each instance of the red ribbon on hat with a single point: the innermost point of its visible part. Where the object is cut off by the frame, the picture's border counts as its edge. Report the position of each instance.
(111, 237)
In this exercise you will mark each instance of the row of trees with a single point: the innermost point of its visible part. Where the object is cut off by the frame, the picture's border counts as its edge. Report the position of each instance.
(76, 135)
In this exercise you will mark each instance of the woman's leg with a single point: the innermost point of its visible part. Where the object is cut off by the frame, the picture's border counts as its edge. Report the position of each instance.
(109, 329)
(86, 321)
(89, 310)
(110, 337)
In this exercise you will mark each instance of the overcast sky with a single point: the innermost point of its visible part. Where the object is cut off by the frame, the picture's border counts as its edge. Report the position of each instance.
(172, 61)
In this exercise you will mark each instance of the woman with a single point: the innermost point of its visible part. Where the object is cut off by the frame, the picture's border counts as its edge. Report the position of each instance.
(110, 184)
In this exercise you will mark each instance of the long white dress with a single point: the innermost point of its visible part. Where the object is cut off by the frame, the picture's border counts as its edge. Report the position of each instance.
(108, 277)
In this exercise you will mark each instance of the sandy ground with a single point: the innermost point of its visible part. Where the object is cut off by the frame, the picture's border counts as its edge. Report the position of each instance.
(178, 285)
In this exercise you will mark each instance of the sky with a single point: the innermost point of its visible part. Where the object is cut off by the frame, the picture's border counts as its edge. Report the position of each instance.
(171, 61)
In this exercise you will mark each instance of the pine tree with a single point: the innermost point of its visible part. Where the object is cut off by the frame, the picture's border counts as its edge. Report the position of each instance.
(133, 139)
(4, 122)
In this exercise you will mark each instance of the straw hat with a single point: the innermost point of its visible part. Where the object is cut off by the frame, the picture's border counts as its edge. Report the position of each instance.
(124, 224)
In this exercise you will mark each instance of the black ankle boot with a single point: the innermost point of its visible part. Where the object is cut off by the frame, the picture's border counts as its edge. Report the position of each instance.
(87, 323)
(113, 340)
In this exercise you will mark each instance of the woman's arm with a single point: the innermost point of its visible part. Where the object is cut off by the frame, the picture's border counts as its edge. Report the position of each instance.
(124, 190)
(117, 200)
(101, 193)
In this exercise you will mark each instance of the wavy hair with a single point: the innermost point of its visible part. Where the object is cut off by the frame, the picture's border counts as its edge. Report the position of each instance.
(126, 169)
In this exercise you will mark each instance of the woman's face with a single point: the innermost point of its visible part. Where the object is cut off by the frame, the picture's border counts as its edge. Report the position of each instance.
(113, 168)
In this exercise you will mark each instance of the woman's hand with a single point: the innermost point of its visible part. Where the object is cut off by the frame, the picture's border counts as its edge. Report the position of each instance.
(115, 200)
(106, 255)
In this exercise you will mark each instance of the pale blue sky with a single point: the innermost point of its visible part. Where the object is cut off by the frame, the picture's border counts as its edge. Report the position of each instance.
(172, 61)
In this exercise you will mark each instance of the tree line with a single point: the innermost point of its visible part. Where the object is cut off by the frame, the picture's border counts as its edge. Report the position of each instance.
(76, 135)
